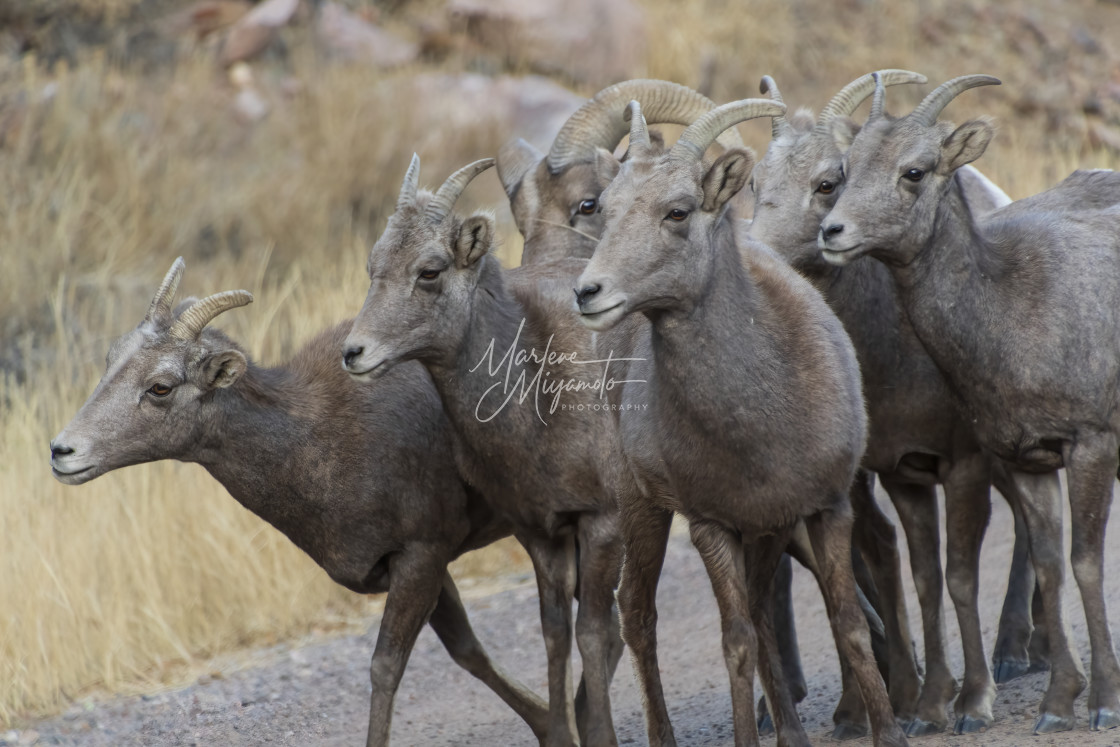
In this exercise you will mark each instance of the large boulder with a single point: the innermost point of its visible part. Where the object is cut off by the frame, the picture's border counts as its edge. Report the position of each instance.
(348, 36)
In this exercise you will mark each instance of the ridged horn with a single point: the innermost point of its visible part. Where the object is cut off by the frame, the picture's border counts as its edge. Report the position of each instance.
(410, 185)
(852, 95)
(877, 98)
(702, 133)
(639, 130)
(927, 112)
(778, 125)
(191, 322)
(445, 198)
(599, 123)
(165, 296)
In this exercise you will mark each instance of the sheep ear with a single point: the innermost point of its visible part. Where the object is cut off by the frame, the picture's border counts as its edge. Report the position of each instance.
(220, 370)
(843, 131)
(473, 241)
(726, 177)
(967, 143)
(606, 166)
(514, 161)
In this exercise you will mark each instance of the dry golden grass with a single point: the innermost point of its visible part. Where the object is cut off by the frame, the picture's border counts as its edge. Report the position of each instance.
(127, 580)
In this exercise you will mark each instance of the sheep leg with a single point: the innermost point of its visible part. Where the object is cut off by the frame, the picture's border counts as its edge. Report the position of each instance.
(830, 532)
(596, 627)
(1040, 496)
(450, 623)
(722, 552)
(414, 588)
(968, 508)
(762, 561)
(878, 544)
(645, 533)
(1091, 464)
(788, 649)
(918, 514)
(1011, 657)
(554, 563)
(1039, 647)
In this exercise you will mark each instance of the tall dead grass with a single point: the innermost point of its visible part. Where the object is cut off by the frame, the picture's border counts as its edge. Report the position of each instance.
(109, 174)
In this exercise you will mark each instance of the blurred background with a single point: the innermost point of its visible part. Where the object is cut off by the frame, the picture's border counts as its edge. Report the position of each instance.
(265, 143)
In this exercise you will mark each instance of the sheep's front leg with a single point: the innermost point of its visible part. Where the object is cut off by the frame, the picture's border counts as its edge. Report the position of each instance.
(722, 552)
(554, 561)
(645, 535)
(414, 587)
(788, 649)
(597, 631)
(450, 623)
(1091, 465)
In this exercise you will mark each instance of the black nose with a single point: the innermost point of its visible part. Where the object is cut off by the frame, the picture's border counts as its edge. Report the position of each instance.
(834, 230)
(351, 354)
(586, 292)
(57, 451)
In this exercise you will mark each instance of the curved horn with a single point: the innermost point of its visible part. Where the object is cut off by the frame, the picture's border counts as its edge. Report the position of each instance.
(877, 98)
(597, 123)
(639, 132)
(931, 106)
(852, 95)
(410, 184)
(701, 133)
(778, 125)
(191, 322)
(445, 198)
(161, 304)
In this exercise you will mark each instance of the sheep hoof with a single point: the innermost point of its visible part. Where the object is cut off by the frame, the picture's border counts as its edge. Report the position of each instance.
(849, 731)
(1048, 723)
(765, 725)
(1104, 718)
(920, 728)
(970, 725)
(1005, 670)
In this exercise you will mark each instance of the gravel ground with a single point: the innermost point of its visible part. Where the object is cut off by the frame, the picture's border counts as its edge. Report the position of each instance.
(316, 693)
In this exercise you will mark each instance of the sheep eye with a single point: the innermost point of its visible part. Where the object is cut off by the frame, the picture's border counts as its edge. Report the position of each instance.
(588, 207)
(914, 175)
(429, 274)
(159, 390)
(826, 187)
(677, 214)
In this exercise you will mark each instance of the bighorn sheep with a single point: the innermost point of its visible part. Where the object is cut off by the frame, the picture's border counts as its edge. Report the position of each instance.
(359, 477)
(554, 200)
(754, 420)
(510, 364)
(916, 438)
(1004, 303)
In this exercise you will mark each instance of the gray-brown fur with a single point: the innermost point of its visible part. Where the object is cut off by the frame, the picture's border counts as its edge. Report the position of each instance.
(1018, 308)
(359, 477)
(916, 439)
(439, 296)
(755, 419)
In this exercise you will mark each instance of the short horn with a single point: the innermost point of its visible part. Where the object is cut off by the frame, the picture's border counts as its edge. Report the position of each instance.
(778, 125)
(445, 198)
(702, 133)
(927, 112)
(165, 296)
(639, 131)
(191, 322)
(845, 102)
(410, 185)
(599, 122)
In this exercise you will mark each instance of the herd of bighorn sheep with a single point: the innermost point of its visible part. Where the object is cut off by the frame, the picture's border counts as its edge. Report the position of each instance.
(753, 376)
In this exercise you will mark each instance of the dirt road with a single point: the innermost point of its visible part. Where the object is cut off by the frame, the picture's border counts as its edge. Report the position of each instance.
(317, 694)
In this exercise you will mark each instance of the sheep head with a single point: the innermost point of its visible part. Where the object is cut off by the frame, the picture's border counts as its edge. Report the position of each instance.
(151, 402)
(897, 173)
(661, 216)
(423, 271)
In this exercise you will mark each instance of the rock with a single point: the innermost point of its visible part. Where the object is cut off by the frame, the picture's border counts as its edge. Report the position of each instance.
(595, 42)
(256, 30)
(203, 18)
(352, 38)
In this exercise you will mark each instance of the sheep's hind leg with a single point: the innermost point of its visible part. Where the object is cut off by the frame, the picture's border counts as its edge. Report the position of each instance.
(788, 649)
(597, 633)
(830, 532)
(450, 623)
(414, 588)
(555, 566)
